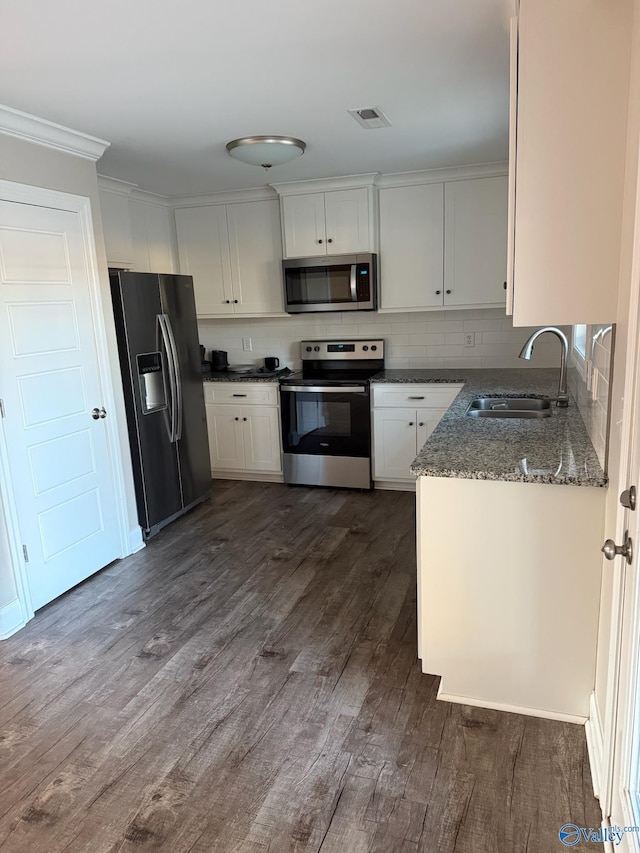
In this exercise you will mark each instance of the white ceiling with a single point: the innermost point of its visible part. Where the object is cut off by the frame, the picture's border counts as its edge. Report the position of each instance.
(170, 82)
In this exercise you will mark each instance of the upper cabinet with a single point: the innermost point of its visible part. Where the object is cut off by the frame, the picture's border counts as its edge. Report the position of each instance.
(233, 253)
(139, 232)
(443, 245)
(332, 217)
(568, 150)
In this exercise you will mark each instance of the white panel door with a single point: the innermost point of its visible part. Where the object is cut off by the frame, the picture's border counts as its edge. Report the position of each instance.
(203, 249)
(347, 221)
(261, 426)
(394, 443)
(475, 241)
(226, 443)
(49, 381)
(255, 246)
(411, 247)
(304, 227)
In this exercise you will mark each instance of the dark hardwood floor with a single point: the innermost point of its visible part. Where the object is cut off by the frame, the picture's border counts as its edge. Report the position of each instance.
(249, 682)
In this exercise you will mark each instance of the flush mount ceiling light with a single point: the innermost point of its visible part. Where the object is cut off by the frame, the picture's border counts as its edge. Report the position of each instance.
(266, 151)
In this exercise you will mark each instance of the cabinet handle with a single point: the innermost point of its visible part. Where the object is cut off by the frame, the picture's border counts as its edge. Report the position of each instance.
(410, 423)
(504, 284)
(448, 291)
(319, 241)
(438, 292)
(421, 423)
(236, 301)
(227, 301)
(238, 395)
(237, 419)
(244, 419)
(416, 398)
(330, 240)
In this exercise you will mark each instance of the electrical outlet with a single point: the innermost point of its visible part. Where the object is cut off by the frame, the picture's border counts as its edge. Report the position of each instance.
(470, 339)
(247, 346)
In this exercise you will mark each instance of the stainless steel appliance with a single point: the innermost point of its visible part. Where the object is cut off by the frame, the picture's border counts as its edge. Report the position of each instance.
(326, 414)
(331, 283)
(160, 363)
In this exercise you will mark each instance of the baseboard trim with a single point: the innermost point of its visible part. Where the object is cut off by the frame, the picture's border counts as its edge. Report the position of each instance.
(11, 619)
(595, 744)
(395, 485)
(511, 709)
(136, 541)
(256, 476)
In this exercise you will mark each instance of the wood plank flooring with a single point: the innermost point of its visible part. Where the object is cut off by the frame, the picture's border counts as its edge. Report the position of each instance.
(249, 682)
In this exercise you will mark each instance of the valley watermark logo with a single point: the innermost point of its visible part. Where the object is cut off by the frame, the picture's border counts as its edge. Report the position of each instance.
(570, 834)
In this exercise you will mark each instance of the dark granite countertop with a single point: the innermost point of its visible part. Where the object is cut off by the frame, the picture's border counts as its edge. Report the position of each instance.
(223, 376)
(555, 450)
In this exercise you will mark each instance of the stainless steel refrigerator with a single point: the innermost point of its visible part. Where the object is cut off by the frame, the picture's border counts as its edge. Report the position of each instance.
(155, 318)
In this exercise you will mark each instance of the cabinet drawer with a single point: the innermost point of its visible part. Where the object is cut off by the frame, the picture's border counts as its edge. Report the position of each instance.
(417, 396)
(243, 393)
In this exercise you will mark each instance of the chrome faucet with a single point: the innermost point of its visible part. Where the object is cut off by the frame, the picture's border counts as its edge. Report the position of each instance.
(527, 351)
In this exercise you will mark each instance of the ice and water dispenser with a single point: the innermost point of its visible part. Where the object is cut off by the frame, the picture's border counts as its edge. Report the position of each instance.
(151, 377)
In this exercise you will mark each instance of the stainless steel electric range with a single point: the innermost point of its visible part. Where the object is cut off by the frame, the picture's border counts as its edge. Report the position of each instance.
(326, 414)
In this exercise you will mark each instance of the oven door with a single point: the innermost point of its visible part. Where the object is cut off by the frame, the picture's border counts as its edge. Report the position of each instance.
(326, 420)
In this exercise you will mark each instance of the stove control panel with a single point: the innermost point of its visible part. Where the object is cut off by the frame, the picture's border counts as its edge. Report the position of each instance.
(342, 350)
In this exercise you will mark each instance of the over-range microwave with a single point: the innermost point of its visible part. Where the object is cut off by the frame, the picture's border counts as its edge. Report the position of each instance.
(337, 283)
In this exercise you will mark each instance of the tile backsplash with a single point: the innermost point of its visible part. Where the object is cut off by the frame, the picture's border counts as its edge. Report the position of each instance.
(589, 378)
(417, 339)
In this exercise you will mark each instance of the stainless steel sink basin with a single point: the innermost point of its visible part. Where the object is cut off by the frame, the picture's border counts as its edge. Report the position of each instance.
(509, 407)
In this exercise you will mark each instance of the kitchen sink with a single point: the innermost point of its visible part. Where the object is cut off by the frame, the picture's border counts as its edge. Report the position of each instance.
(510, 407)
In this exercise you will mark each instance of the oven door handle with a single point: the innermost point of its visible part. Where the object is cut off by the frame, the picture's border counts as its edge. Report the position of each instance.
(325, 389)
(352, 283)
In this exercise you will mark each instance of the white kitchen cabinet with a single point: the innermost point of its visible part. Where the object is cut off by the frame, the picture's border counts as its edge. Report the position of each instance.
(443, 245)
(233, 253)
(243, 422)
(475, 241)
(411, 247)
(404, 416)
(569, 141)
(152, 237)
(508, 593)
(331, 223)
(116, 226)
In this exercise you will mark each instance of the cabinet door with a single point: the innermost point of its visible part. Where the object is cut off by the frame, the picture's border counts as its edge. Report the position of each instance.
(226, 443)
(116, 226)
(394, 443)
(347, 221)
(428, 420)
(475, 241)
(256, 257)
(411, 247)
(262, 446)
(304, 228)
(151, 227)
(203, 249)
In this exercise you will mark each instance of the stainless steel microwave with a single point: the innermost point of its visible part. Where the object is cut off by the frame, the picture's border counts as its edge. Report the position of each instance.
(337, 283)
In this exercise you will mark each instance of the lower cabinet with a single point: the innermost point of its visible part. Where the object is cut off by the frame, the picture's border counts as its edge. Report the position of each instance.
(244, 438)
(404, 416)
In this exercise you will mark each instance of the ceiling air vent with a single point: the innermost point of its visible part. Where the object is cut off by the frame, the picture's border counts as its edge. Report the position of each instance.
(370, 117)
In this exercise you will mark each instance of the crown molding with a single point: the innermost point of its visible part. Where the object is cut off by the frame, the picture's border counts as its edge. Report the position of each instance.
(115, 185)
(228, 197)
(50, 135)
(343, 182)
(435, 176)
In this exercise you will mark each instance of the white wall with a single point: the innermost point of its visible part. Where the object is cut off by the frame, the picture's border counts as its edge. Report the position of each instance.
(429, 339)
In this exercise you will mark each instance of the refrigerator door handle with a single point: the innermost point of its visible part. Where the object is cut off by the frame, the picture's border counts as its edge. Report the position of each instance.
(178, 378)
(171, 366)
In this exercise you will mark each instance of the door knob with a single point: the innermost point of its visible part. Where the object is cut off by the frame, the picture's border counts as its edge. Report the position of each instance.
(628, 498)
(98, 413)
(611, 550)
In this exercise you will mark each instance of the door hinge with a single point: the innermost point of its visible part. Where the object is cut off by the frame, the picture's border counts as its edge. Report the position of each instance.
(2, 413)
(26, 553)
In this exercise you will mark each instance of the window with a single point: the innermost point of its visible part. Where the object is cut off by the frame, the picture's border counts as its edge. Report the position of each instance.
(580, 340)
